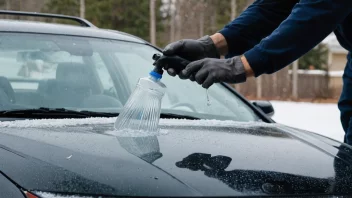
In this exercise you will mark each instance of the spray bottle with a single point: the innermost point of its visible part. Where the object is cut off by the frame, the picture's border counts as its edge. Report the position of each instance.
(141, 113)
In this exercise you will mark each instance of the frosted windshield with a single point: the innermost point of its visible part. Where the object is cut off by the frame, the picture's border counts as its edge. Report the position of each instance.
(97, 75)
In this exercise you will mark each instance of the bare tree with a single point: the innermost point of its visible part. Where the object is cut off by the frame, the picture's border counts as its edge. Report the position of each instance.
(201, 24)
(172, 20)
(233, 9)
(178, 19)
(82, 9)
(201, 6)
(152, 21)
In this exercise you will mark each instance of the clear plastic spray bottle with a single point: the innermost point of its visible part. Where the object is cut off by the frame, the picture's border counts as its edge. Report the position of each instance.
(141, 113)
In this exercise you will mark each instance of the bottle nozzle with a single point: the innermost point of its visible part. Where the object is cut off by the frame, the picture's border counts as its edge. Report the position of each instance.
(156, 57)
(157, 72)
(158, 68)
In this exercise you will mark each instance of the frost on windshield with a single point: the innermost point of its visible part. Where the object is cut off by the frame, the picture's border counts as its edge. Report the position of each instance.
(54, 123)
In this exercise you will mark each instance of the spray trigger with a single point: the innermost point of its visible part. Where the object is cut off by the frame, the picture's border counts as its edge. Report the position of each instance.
(165, 62)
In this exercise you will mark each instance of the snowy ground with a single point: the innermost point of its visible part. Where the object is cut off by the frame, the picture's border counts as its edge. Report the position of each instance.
(320, 118)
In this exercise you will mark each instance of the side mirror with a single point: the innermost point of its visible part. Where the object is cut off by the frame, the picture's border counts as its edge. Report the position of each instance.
(265, 106)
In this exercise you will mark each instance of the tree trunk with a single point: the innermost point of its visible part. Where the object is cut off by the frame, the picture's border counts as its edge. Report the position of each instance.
(233, 16)
(213, 17)
(233, 9)
(82, 6)
(178, 19)
(172, 23)
(201, 22)
(152, 22)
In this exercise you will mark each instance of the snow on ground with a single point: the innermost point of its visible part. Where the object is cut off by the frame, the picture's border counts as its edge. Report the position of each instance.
(319, 118)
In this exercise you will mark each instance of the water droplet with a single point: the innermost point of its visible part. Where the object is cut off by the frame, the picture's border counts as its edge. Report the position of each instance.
(208, 100)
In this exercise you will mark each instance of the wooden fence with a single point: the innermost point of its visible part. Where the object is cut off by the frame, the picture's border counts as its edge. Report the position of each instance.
(279, 86)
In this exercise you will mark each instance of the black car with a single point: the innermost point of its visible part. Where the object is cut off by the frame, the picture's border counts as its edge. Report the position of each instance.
(61, 88)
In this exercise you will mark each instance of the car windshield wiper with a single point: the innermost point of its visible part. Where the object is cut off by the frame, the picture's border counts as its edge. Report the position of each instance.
(53, 113)
(43, 112)
(178, 116)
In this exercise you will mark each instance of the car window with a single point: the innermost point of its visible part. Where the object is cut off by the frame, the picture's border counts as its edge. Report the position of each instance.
(98, 75)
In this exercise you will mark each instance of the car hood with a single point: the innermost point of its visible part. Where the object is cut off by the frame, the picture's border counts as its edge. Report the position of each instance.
(187, 158)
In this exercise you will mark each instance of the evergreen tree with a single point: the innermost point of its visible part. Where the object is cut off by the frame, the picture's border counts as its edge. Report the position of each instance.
(315, 58)
(130, 16)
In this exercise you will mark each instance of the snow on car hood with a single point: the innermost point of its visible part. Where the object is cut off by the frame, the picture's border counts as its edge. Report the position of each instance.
(202, 157)
(56, 123)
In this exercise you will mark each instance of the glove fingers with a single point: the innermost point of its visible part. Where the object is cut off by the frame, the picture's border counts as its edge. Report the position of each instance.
(192, 78)
(173, 48)
(208, 82)
(162, 62)
(201, 75)
(192, 68)
(173, 65)
(171, 72)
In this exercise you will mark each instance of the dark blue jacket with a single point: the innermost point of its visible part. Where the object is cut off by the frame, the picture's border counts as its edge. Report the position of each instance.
(273, 33)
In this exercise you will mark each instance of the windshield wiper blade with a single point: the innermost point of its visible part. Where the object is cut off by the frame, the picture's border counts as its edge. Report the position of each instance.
(44, 112)
(178, 116)
(99, 114)
(53, 113)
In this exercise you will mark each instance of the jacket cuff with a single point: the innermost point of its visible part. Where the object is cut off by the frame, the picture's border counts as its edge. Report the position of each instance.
(235, 43)
(257, 60)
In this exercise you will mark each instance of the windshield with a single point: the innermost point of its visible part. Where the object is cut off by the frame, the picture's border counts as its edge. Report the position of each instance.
(97, 75)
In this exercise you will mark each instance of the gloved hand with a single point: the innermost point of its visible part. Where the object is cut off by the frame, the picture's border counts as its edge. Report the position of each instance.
(176, 63)
(191, 50)
(209, 71)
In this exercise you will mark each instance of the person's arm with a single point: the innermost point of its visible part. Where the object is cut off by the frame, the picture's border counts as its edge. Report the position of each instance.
(259, 20)
(308, 24)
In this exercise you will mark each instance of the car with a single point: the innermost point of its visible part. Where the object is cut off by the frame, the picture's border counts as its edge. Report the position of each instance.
(62, 87)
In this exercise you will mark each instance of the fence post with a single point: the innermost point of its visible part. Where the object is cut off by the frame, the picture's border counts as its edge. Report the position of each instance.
(259, 87)
(295, 79)
(274, 84)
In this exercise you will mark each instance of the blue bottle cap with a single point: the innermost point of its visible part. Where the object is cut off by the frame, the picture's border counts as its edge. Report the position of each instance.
(156, 75)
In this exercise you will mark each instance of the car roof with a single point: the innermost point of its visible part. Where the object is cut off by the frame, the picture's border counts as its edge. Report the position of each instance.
(62, 29)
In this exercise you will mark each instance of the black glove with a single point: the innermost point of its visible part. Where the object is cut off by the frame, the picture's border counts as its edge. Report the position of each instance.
(167, 62)
(191, 50)
(209, 71)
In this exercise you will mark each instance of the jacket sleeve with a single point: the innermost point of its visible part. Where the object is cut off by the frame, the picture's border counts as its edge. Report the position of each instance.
(258, 21)
(308, 24)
